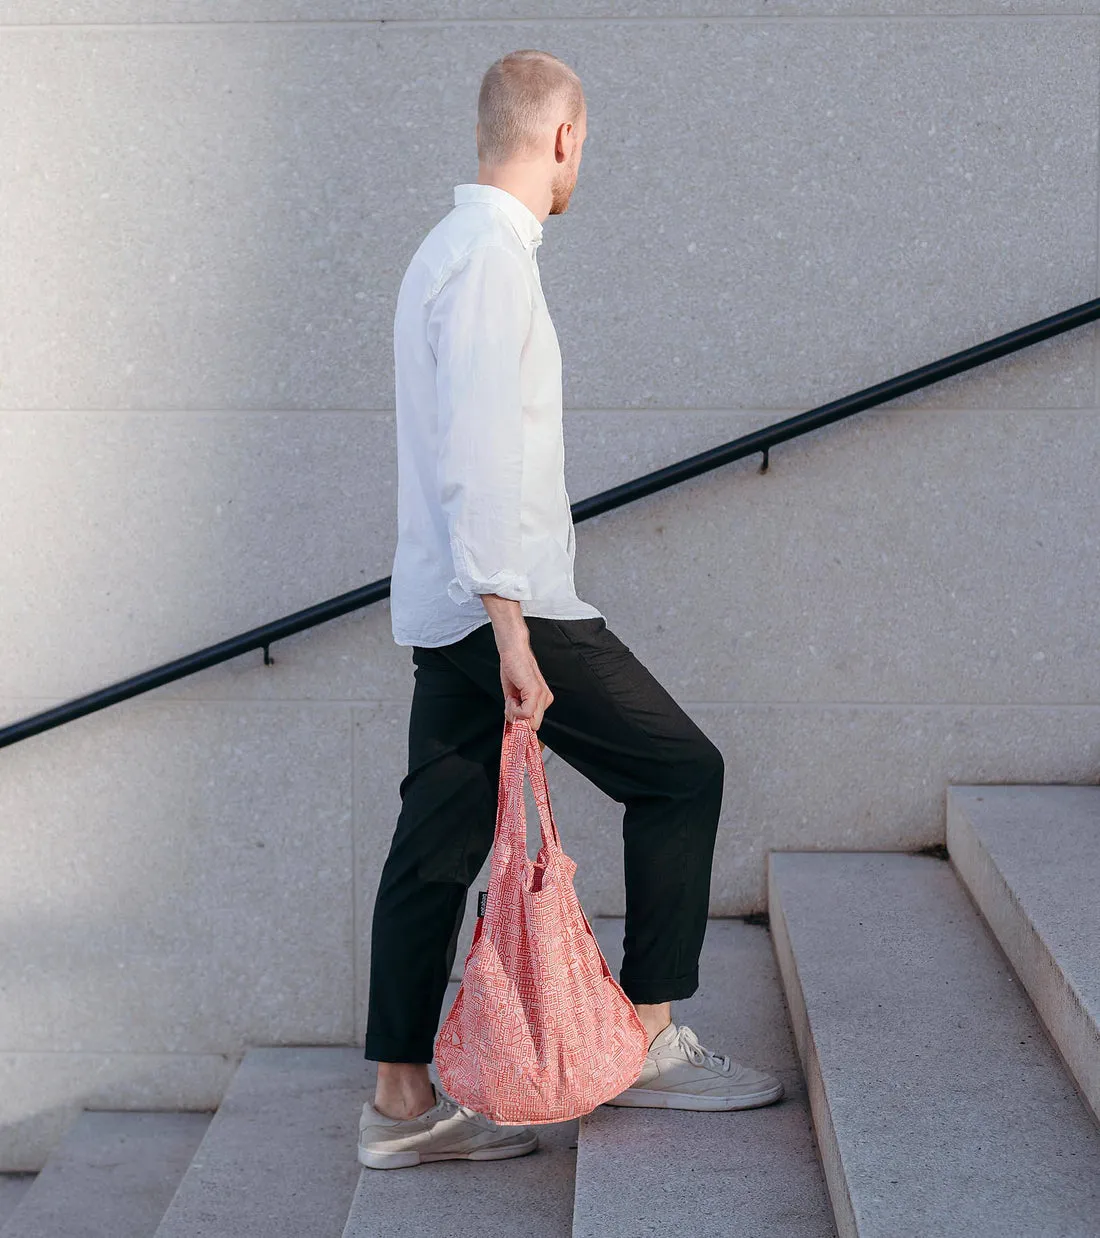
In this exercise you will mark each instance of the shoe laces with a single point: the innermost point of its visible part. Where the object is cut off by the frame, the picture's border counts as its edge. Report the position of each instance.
(448, 1106)
(698, 1053)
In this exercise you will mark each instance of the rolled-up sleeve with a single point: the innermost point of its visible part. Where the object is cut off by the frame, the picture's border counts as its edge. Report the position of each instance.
(478, 323)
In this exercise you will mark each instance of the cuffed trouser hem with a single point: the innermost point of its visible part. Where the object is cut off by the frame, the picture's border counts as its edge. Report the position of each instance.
(376, 1050)
(653, 992)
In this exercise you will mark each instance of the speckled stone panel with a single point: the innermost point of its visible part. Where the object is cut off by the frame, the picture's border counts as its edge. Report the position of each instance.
(42, 1094)
(1030, 857)
(933, 557)
(112, 1176)
(940, 1105)
(278, 1158)
(904, 555)
(165, 533)
(178, 878)
(172, 12)
(769, 213)
(13, 1186)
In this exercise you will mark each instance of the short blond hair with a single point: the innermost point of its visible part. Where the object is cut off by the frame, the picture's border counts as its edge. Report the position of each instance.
(521, 95)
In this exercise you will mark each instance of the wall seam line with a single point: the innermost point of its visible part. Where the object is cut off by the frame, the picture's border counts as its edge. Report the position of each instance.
(354, 874)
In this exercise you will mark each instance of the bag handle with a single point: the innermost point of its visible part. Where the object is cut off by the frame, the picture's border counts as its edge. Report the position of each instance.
(520, 754)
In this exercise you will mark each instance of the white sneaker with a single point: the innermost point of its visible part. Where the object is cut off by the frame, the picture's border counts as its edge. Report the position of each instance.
(446, 1131)
(679, 1073)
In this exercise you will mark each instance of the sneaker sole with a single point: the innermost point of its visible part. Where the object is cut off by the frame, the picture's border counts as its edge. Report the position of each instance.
(652, 1098)
(401, 1160)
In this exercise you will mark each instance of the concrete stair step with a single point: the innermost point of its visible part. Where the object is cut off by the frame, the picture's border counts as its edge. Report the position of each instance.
(111, 1176)
(748, 1172)
(13, 1186)
(278, 1159)
(523, 1197)
(940, 1105)
(1030, 857)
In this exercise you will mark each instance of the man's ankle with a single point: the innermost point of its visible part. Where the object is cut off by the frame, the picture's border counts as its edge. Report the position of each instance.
(403, 1090)
(655, 1017)
(402, 1105)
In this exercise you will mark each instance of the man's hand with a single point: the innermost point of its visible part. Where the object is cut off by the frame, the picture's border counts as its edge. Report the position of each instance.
(526, 694)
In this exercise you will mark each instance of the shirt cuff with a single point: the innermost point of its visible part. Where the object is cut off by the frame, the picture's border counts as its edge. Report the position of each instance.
(506, 584)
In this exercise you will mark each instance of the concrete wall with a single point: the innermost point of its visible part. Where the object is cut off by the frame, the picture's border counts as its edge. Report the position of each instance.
(207, 207)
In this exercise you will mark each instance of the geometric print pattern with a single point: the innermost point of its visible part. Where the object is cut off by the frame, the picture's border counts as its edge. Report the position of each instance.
(539, 1031)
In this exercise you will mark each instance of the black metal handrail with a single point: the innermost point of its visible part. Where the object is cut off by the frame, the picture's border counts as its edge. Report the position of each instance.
(618, 496)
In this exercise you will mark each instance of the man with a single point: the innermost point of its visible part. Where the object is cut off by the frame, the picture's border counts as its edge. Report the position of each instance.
(482, 590)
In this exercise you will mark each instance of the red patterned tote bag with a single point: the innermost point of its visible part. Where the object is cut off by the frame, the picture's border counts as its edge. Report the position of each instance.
(539, 1031)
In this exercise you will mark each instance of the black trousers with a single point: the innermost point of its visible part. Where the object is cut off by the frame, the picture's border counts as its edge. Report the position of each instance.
(612, 721)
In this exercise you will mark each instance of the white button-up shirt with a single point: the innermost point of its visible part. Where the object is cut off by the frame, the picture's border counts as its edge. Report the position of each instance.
(481, 500)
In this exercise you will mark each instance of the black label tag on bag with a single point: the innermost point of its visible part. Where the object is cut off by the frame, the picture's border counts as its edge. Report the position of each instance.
(481, 897)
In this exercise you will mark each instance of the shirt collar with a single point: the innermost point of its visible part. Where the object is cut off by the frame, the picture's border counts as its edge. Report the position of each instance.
(520, 215)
